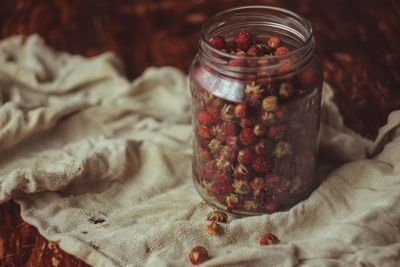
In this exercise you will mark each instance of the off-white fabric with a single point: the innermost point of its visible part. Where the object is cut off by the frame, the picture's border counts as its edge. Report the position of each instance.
(103, 166)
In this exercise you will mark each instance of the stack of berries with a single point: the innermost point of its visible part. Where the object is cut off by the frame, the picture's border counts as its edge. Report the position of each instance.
(253, 156)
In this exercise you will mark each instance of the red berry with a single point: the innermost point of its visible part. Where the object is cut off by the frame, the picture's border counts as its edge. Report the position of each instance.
(203, 132)
(246, 122)
(241, 110)
(206, 118)
(217, 216)
(268, 239)
(281, 113)
(272, 179)
(257, 183)
(204, 153)
(198, 255)
(308, 77)
(213, 111)
(271, 207)
(240, 53)
(232, 142)
(274, 42)
(254, 51)
(213, 228)
(245, 156)
(261, 148)
(237, 63)
(243, 40)
(276, 132)
(218, 42)
(247, 136)
(229, 128)
(259, 165)
(281, 51)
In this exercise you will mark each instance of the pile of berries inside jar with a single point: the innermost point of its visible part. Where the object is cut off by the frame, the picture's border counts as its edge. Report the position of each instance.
(256, 105)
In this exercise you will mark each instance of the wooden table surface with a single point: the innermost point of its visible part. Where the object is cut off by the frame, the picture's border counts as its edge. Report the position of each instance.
(358, 43)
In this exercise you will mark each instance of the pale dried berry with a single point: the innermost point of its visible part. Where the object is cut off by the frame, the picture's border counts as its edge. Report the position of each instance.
(217, 216)
(286, 90)
(281, 51)
(260, 130)
(241, 110)
(215, 145)
(218, 42)
(274, 42)
(241, 172)
(243, 40)
(198, 255)
(267, 116)
(282, 149)
(232, 201)
(250, 205)
(270, 103)
(268, 239)
(213, 228)
(241, 187)
(227, 113)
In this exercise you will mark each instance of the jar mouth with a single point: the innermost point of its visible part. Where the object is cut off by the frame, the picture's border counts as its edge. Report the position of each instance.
(295, 28)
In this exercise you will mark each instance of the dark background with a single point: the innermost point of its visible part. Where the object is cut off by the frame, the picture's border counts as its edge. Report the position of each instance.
(358, 43)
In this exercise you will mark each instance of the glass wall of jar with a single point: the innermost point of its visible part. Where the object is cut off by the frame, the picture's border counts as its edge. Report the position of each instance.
(256, 90)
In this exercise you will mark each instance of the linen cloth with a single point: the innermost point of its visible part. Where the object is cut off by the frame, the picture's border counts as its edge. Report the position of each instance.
(102, 166)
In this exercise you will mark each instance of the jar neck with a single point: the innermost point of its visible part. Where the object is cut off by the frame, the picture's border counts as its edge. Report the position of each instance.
(262, 22)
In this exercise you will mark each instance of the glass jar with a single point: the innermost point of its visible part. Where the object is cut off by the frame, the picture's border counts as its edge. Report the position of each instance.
(255, 114)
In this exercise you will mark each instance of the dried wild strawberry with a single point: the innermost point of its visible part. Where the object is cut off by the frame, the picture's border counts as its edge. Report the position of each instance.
(308, 77)
(218, 42)
(257, 183)
(237, 63)
(243, 40)
(260, 130)
(270, 103)
(286, 90)
(274, 42)
(241, 110)
(246, 122)
(281, 113)
(198, 255)
(282, 149)
(229, 128)
(281, 51)
(241, 172)
(213, 228)
(222, 164)
(245, 156)
(262, 148)
(276, 132)
(204, 153)
(259, 165)
(204, 132)
(272, 179)
(268, 239)
(217, 216)
(232, 142)
(267, 116)
(250, 205)
(206, 118)
(254, 51)
(247, 136)
(241, 187)
(232, 201)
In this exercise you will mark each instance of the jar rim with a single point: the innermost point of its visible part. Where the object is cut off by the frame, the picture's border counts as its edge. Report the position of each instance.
(305, 23)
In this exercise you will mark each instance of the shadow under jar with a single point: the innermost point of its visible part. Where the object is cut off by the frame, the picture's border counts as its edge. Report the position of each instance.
(256, 94)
